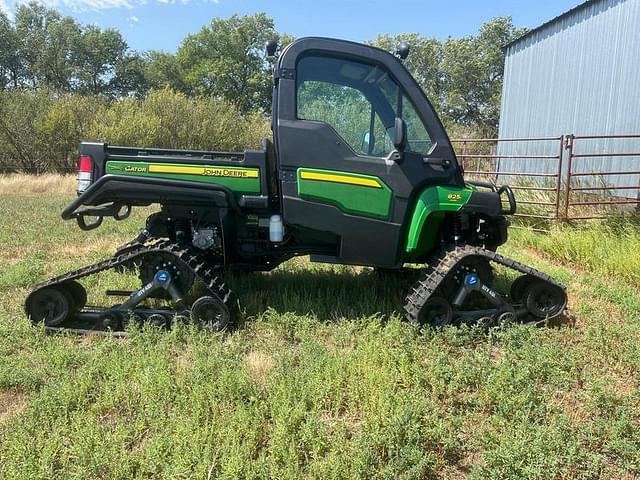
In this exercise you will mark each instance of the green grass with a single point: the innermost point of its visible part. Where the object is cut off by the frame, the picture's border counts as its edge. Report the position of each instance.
(610, 248)
(323, 380)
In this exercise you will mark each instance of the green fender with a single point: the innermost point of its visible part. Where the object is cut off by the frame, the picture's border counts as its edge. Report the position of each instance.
(427, 215)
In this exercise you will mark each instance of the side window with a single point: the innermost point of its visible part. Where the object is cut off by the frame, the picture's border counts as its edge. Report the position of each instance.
(360, 102)
(344, 108)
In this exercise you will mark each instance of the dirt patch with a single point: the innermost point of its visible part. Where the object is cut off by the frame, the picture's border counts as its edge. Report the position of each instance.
(102, 245)
(12, 404)
(462, 468)
(336, 422)
(259, 365)
(184, 360)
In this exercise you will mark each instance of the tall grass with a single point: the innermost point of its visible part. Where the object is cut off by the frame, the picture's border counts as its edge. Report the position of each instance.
(604, 247)
(21, 183)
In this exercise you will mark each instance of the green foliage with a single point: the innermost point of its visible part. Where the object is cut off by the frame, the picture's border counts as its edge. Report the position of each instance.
(98, 55)
(47, 50)
(41, 130)
(462, 77)
(172, 120)
(226, 59)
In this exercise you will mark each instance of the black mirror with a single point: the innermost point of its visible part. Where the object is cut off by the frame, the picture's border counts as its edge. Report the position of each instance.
(402, 51)
(271, 47)
(400, 134)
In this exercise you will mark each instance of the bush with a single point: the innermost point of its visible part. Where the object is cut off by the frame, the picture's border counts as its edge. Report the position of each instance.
(40, 131)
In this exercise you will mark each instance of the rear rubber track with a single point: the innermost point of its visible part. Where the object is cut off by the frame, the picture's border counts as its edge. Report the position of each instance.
(209, 275)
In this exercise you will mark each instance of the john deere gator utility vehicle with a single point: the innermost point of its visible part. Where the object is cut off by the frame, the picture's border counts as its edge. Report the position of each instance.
(360, 172)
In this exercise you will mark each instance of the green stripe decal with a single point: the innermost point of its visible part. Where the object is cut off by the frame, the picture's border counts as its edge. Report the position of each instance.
(355, 194)
(237, 179)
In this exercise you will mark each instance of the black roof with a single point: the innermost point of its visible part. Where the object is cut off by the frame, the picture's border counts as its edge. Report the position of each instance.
(553, 20)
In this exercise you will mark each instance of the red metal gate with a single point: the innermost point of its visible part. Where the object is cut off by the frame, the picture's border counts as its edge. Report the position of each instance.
(597, 200)
(480, 160)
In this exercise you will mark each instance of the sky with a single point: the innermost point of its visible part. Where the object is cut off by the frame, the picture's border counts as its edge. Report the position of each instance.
(162, 24)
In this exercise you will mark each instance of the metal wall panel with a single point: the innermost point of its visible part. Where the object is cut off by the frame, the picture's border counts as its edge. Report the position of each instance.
(579, 74)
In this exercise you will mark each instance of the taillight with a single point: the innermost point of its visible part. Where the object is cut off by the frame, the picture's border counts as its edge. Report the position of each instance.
(85, 172)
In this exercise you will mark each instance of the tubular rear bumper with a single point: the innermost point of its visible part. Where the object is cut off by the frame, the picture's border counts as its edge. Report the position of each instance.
(110, 194)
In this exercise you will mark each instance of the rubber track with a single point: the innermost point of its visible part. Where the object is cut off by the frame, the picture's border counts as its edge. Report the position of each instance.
(444, 262)
(210, 275)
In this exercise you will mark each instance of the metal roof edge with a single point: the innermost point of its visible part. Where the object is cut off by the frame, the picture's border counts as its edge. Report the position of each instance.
(569, 12)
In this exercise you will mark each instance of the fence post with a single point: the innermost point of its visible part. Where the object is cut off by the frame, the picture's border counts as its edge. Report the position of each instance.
(569, 147)
(464, 155)
(559, 179)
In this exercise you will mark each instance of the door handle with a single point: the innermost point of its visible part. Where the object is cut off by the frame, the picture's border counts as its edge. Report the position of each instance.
(436, 162)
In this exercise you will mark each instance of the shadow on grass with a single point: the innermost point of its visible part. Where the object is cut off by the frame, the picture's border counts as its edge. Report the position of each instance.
(328, 294)
(333, 295)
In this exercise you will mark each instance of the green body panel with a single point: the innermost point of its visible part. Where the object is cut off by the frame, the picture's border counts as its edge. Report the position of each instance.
(238, 179)
(429, 212)
(370, 199)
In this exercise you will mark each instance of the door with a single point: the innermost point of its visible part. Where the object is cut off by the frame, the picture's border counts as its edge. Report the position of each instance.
(335, 116)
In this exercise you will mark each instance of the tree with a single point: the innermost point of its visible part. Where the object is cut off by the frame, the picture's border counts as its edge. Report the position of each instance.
(9, 62)
(97, 57)
(473, 68)
(461, 77)
(226, 59)
(56, 65)
(31, 24)
(424, 62)
(130, 75)
(162, 70)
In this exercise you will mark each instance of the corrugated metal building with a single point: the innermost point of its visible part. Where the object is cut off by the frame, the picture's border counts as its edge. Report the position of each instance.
(577, 74)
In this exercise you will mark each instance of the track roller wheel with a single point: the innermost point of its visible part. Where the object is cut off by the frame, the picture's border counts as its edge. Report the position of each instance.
(210, 313)
(544, 300)
(112, 319)
(51, 306)
(505, 315)
(157, 320)
(77, 292)
(435, 312)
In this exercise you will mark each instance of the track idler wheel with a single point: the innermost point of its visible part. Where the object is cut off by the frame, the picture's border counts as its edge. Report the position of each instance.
(516, 292)
(77, 292)
(544, 300)
(51, 306)
(211, 313)
(436, 312)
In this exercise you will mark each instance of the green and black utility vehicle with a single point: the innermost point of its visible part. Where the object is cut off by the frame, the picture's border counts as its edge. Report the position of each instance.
(360, 171)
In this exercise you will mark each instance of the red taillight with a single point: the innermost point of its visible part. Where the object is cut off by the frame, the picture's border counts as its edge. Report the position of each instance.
(85, 172)
(85, 164)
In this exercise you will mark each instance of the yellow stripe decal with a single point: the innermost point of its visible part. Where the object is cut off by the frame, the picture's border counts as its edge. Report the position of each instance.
(330, 177)
(209, 171)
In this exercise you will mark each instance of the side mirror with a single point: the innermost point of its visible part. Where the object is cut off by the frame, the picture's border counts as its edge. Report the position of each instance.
(400, 134)
(271, 47)
(402, 51)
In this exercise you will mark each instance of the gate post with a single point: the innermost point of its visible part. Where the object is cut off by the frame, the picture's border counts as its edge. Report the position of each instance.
(569, 147)
(559, 180)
